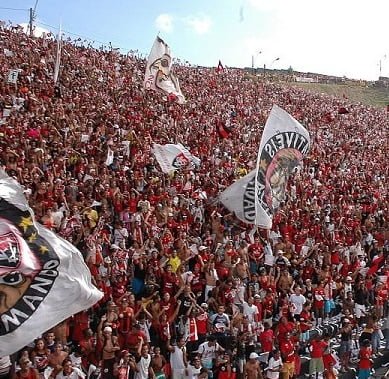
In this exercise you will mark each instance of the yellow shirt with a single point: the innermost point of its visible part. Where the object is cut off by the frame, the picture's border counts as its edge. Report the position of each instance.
(175, 262)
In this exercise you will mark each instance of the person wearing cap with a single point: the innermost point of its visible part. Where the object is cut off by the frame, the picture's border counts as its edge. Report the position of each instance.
(253, 369)
(109, 344)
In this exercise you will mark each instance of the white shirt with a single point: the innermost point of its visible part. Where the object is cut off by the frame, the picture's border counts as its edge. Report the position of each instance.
(75, 374)
(193, 372)
(143, 367)
(207, 352)
(297, 301)
(273, 365)
(177, 358)
(250, 311)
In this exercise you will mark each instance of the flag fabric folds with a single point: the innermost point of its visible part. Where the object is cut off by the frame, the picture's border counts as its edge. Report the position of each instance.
(257, 196)
(43, 278)
(239, 198)
(159, 74)
(283, 145)
(174, 157)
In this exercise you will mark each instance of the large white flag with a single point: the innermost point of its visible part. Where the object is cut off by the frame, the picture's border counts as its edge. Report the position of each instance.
(43, 278)
(239, 198)
(283, 145)
(159, 75)
(254, 198)
(174, 157)
(58, 55)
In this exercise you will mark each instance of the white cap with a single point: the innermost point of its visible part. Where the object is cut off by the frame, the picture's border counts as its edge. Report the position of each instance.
(114, 246)
(201, 248)
(107, 329)
(253, 356)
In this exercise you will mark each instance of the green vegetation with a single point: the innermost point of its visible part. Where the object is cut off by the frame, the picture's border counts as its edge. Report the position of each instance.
(365, 94)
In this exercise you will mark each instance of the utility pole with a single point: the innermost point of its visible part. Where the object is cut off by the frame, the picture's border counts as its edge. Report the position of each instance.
(31, 19)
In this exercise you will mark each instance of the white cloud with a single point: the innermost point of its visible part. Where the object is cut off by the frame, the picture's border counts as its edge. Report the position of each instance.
(164, 23)
(37, 30)
(199, 24)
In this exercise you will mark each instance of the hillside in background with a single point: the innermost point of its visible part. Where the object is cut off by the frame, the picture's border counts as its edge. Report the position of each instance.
(369, 95)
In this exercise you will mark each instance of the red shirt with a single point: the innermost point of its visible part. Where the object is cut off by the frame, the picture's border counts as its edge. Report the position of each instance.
(266, 340)
(201, 322)
(317, 293)
(318, 348)
(287, 351)
(364, 357)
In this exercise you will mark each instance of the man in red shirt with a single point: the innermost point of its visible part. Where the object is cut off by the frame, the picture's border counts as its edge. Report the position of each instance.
(365, 361)
(318, 303)
(266, 338)
(288, 357)
(317, 348)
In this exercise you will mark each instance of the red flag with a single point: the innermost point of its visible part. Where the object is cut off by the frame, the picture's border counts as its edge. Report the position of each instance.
(376, 265)
(220, 67)
(222, 130)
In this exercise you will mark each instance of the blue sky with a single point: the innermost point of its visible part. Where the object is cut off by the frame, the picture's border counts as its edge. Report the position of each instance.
(340, 37)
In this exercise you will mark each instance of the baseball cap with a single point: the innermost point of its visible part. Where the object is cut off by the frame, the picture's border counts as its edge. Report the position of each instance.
(253, 356)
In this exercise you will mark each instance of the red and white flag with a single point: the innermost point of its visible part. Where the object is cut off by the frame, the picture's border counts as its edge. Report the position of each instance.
(174, 157)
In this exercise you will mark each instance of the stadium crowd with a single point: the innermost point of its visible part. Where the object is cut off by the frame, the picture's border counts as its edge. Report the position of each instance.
(189, 290)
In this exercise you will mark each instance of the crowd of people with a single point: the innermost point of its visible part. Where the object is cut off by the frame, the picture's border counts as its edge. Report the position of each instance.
(189, 290)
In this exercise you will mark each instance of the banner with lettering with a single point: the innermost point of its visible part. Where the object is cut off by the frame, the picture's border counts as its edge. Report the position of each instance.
(43, 278)
(159, 73)
(283, 146)
(239, 198)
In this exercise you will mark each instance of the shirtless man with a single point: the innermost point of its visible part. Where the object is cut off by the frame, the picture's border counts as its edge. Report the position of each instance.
(253, 369)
